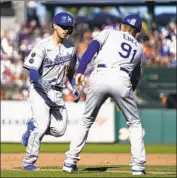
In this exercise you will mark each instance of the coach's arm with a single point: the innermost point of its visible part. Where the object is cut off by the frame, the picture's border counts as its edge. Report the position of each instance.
(136, 75)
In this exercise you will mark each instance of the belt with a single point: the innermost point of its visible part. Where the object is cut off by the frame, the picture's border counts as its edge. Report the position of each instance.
(57, 88)
(121, 68)
(54, 87)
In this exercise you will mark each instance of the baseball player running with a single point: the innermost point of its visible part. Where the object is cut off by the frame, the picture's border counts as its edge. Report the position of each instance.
(50, 63)
(118, 54)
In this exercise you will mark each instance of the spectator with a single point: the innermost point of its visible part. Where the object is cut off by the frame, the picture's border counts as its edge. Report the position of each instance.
(16, 43)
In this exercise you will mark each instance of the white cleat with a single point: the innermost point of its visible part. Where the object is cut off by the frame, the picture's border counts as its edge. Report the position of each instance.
(70, 168)
(138, 172)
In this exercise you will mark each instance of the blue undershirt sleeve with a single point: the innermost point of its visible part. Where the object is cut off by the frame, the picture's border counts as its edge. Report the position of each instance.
(93, 48)
(34, 75)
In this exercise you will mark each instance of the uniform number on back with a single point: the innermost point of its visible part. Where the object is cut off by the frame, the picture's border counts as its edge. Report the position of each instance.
(126, 51)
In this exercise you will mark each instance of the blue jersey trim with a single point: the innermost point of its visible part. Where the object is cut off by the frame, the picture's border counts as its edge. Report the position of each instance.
(28, 67)
(34, 75)
(93, 48)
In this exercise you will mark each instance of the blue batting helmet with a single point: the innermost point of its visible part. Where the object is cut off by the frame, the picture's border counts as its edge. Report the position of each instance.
(64, 19)
(134, 21)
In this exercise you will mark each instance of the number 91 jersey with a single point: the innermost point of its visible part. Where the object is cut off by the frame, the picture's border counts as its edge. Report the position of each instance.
(118, 48)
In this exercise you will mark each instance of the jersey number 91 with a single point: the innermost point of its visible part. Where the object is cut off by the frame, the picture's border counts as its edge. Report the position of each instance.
(126, 51)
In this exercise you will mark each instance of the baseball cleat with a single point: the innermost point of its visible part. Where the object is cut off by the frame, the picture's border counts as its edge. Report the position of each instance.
(70, 167)
(26, 135)
(30, 167)
(138, 172)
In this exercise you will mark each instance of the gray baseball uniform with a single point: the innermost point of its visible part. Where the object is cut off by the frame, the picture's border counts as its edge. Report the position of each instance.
(49, 111)
(119, 54)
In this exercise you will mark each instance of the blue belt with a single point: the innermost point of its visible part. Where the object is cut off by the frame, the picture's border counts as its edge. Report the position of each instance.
(121, 68)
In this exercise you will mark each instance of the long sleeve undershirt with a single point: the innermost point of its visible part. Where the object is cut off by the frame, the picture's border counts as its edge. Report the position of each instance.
(92, 49)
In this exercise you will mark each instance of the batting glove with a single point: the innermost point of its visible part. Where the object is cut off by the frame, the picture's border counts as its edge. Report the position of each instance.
(76, 93)
(46, 85)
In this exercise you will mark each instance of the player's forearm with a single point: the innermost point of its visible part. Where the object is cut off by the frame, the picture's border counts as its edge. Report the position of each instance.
(34, 76)
(92, 49)
(136, 75)
(43, 84)
(71, 69)
(135, 84)
(70, 74)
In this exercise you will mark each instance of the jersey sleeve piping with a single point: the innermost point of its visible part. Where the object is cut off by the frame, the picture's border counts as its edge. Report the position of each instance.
(28, 68)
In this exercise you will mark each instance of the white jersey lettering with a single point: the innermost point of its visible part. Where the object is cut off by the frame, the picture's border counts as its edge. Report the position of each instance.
(51, 60)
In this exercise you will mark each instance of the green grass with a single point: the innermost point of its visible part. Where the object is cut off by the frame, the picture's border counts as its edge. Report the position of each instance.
(89, 148)
(93, 171)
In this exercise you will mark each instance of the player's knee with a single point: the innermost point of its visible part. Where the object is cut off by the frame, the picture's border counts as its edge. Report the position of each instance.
(57, 132)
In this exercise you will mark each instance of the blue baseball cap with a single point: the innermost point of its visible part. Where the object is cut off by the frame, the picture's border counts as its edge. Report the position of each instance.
(134, 21)
(64, 19)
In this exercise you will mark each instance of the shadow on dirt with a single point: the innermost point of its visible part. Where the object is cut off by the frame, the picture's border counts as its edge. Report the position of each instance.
(99, 169)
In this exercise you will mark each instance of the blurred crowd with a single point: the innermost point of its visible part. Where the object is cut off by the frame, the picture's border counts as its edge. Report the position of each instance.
(17, 41)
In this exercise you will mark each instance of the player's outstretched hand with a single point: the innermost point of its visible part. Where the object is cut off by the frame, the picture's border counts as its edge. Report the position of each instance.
(76, 94)
(80, 80)
(46, 85)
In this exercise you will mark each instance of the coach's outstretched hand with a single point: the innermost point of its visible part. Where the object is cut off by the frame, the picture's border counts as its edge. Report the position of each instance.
(80, 80)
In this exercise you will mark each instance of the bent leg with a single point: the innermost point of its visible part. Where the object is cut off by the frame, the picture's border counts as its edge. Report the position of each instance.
(129, 108)
(58, 123)
(92, 106)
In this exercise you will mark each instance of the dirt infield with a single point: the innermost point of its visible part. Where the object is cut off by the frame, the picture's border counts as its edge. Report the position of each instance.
(13, 160)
